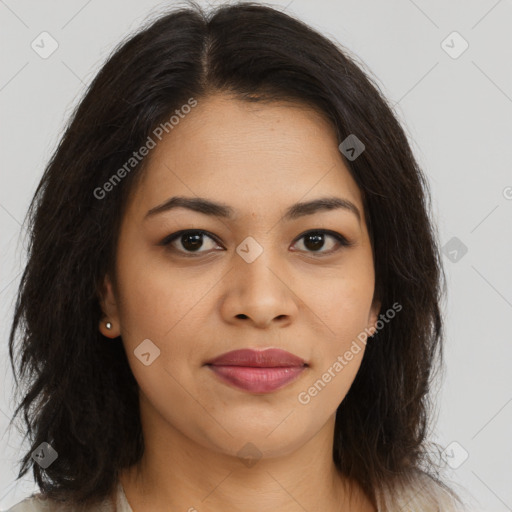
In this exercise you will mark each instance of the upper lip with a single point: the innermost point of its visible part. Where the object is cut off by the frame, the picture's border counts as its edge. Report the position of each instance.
(271, 357)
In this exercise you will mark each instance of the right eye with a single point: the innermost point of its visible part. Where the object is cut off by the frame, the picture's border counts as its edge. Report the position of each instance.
(188, 242)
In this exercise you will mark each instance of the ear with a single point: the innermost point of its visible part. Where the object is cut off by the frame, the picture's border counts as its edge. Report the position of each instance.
(108, 305)
(374, 315)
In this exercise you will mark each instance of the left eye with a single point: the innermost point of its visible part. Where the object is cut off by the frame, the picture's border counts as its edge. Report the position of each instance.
(192, 240)
(315, 240)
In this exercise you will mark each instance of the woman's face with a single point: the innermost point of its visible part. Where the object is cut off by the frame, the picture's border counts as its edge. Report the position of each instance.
(256, 281)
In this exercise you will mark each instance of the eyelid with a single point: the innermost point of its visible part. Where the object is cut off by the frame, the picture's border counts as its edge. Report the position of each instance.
(176, 235)
(341, 238)
(343, 242)
(170, 238)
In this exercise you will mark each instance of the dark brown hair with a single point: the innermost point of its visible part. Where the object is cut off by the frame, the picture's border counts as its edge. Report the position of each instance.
(80, 395)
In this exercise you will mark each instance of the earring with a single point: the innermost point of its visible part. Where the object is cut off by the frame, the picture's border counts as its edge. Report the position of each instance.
(108, 325)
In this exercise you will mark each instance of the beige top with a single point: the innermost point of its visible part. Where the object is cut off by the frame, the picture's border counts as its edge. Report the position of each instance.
(417, 494)
(35, 504)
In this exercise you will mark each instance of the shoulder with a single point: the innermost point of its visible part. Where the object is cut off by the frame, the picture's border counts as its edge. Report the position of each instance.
(31, 504)
(420, 491)
(36, 503)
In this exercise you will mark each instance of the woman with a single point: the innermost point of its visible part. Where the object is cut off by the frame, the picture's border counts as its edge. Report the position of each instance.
(231, 300)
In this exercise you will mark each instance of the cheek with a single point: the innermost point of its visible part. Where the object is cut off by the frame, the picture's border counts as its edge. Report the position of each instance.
(165, 305)
(340, 348)
(154, 295)
(342, 304)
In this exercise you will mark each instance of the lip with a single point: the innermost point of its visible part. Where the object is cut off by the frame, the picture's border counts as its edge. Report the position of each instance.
(257, 371)
(268, 358)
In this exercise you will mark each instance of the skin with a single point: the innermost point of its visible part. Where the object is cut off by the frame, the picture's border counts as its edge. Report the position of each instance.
(259, 159)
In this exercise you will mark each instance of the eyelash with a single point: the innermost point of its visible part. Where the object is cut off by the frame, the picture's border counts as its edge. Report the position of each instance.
(342, 241)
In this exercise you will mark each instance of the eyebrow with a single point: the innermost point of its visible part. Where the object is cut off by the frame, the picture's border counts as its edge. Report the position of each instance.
(221, 210)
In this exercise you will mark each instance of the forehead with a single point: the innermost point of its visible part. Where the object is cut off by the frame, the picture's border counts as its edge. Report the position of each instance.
(249, 155)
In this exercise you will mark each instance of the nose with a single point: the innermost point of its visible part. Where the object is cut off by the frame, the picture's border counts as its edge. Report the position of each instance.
(259, 292)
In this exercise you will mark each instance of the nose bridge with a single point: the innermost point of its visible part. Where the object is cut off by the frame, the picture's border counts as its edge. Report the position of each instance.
(255, 259)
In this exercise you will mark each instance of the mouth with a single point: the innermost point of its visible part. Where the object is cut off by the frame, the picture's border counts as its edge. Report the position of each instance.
(257, 371)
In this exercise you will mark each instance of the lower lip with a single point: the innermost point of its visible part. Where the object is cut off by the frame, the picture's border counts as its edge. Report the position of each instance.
(257, 380)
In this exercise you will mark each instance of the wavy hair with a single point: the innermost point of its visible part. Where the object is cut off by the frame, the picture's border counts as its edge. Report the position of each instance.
(78, 392)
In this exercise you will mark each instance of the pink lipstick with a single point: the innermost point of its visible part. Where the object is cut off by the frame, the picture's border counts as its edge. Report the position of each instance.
(257, 371)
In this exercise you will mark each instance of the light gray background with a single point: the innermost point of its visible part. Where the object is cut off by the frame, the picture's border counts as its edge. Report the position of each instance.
(458, 114)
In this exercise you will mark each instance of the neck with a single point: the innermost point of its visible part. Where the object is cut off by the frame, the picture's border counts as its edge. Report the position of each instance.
(180, 474)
